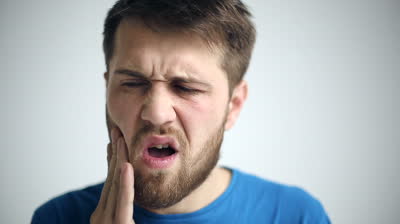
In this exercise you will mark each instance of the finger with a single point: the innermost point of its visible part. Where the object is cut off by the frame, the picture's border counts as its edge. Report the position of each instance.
(123, 152)
(108, 182)
(107, 185)
(109, 154)
(124, 212)
(112, 196)
(115, 133)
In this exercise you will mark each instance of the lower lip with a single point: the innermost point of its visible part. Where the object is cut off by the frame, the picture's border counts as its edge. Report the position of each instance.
(158, 163)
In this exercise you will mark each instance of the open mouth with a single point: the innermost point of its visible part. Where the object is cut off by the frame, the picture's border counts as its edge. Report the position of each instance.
(161, 151)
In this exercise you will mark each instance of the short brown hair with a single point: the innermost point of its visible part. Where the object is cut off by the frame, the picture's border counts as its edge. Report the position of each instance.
(222, 23)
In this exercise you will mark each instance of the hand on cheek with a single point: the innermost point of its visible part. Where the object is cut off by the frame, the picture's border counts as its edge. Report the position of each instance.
(116, 201)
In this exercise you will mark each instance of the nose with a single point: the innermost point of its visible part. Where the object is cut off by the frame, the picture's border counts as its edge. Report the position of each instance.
(158, 108)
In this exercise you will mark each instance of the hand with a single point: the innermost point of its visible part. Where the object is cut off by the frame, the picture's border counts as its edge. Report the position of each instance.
(116, 201)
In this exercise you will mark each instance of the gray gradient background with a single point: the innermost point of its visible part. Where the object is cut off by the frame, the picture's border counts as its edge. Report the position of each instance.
(322, 111)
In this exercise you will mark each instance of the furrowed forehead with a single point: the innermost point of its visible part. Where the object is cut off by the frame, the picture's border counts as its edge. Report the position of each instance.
(212, 38)
(133, 32)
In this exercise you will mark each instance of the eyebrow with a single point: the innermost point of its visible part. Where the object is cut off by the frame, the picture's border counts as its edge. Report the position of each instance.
(136, 74)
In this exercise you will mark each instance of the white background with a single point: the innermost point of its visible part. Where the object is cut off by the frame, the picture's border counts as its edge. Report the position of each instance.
(323, 111)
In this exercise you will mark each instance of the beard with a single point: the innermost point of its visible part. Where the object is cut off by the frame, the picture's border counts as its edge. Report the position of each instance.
(162, 189)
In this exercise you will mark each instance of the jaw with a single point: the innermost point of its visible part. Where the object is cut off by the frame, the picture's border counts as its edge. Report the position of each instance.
(140, 167)
(214, 185)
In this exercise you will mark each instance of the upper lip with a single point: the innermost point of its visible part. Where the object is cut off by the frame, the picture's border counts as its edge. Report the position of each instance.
(160, 140)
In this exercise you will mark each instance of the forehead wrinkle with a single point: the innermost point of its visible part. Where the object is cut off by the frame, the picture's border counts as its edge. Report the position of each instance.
(132, 71)
(172, 69)
(182, 68)
(164, 66)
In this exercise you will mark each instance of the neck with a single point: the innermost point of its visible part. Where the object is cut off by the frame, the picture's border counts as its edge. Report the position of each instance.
(214, 186)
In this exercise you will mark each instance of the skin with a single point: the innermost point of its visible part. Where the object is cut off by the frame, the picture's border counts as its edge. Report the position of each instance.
(162, 58)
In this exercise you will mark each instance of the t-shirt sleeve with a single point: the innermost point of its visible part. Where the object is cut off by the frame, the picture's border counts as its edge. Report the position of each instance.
(314, 212)
(304, 207)
(45, 214)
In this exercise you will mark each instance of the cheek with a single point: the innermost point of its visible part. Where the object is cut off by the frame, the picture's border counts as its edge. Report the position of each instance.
(201, 118)
(123, 112)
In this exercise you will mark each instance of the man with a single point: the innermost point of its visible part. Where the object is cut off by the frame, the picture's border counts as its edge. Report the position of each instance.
(174, 85)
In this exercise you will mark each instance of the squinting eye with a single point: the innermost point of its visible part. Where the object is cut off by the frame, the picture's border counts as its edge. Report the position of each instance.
(184, 89)
(134, 84)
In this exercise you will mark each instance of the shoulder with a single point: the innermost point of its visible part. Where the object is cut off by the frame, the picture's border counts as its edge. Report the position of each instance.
(289, 204)
(72, 207)
(256, 185)
(302, 205)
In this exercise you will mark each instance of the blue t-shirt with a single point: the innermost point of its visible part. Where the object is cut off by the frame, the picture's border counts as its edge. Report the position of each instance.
(248, 199)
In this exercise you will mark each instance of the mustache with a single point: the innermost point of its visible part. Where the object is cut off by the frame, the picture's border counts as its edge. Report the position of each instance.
(149, 129)
(146, 129)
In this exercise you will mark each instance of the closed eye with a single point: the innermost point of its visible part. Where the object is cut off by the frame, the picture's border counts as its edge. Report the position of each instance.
(184, 89)
(135, 84)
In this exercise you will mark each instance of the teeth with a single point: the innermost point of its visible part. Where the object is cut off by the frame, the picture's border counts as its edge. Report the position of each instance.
(161, 146)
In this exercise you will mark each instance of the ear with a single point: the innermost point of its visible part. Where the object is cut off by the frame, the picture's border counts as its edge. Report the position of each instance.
(106, 77)
(239, 96)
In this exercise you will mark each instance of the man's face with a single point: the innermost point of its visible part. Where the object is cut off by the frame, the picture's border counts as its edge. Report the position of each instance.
(166, 90)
